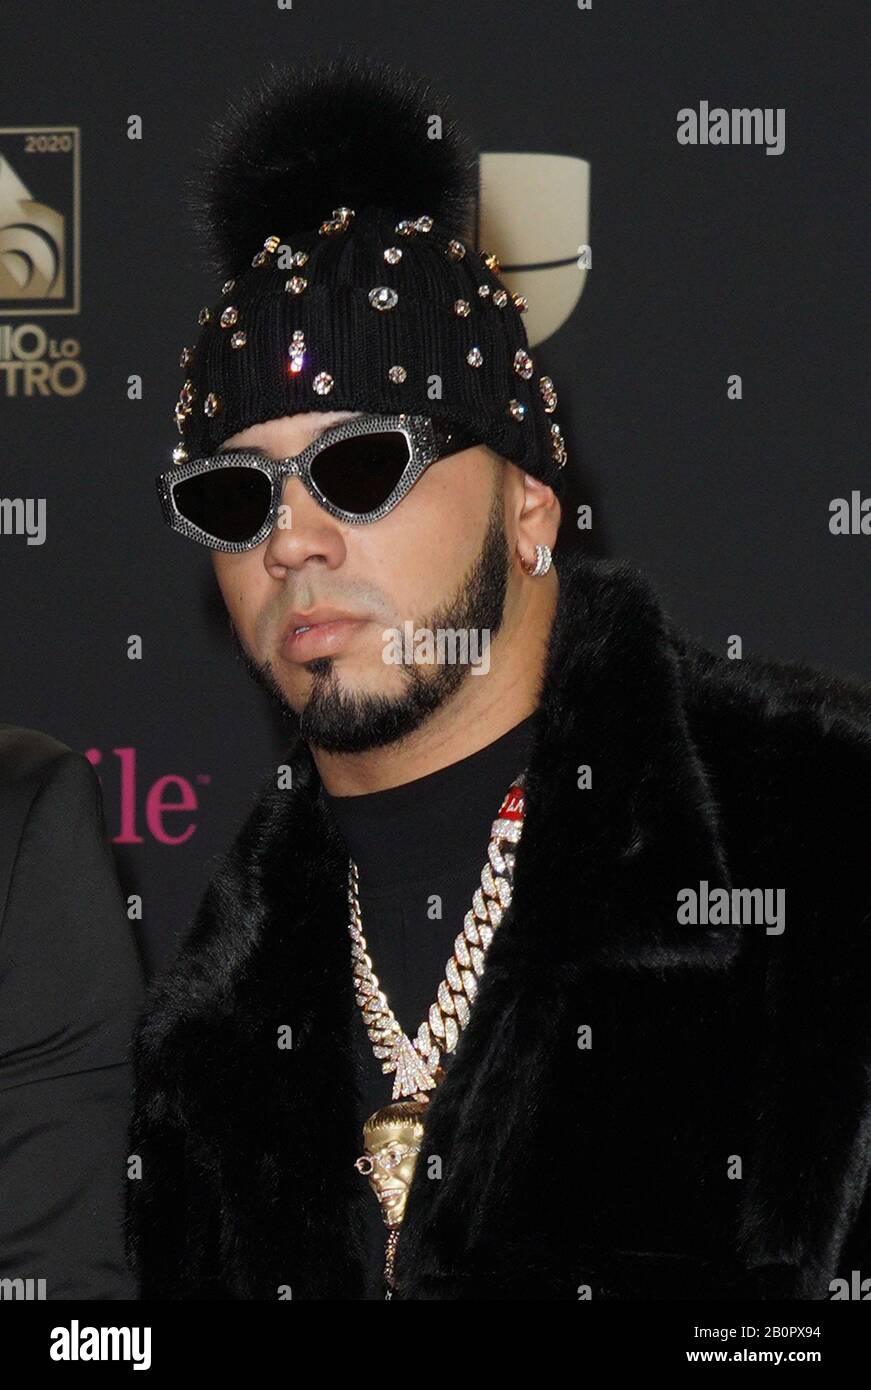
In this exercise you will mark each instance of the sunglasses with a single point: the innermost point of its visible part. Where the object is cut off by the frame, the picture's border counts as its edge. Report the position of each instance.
(357, 470)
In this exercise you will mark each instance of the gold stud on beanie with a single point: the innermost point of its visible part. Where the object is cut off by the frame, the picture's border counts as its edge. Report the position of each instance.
(341, 235)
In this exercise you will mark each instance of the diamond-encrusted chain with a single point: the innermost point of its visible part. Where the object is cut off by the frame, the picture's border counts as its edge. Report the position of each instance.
(417, 1064)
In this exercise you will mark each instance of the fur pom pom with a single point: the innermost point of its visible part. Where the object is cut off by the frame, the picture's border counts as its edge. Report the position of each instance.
(341, 131)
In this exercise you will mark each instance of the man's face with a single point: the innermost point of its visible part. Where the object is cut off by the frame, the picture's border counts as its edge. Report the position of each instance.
(439, 559)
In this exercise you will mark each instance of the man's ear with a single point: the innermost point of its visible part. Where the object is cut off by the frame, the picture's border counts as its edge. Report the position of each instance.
(540, 513)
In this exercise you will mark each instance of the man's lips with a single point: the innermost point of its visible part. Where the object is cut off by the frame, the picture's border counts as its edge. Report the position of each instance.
(325, 631)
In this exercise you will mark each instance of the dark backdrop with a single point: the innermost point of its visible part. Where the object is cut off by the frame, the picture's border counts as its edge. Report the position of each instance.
(706, 261)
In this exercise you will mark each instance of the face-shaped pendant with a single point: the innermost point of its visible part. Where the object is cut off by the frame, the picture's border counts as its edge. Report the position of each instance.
(392, 1139)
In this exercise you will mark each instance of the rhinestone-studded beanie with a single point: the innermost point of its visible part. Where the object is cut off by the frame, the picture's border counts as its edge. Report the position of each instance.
(341, 231)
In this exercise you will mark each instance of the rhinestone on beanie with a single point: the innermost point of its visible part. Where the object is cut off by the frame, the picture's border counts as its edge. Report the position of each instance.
(229, 316)
(323, 383)
(500, 299)
(296, 351)
(212, 404)
(462, 307)
(204, 315)
(341, 221)
(393, 254)
(227, 286)
(296, 284)
(270, 246)
(548, 394)
(523, 364)
(455, 250)
(184, 404)
(474, 357)
(186, 357)
(557, 444)
(516, 409)
(239, 339)
(397, 374)
(383, 297)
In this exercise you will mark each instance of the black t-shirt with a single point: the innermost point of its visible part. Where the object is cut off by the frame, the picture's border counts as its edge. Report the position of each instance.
(411, 843)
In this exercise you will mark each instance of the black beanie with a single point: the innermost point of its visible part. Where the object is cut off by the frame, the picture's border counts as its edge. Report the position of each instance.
(342, 233)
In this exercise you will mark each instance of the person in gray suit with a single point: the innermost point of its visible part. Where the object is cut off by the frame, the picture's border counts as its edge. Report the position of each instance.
(71, 987)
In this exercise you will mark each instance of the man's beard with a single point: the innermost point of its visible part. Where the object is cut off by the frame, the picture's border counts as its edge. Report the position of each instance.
(352, 722)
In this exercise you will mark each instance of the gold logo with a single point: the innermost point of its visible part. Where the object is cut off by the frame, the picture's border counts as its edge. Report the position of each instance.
(40, 199)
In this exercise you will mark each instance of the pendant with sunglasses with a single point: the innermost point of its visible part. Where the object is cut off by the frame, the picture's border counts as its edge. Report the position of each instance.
(357, 470)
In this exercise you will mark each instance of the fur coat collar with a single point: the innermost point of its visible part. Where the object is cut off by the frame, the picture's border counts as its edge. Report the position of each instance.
(714, 1139)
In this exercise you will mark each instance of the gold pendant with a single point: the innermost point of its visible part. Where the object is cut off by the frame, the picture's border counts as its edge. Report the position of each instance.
(391, 1141)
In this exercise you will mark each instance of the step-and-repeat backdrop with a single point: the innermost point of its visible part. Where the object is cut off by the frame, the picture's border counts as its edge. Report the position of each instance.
(679, 191)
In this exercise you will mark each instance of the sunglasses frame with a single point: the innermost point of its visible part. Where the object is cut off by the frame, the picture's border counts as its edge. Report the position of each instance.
(428, 440)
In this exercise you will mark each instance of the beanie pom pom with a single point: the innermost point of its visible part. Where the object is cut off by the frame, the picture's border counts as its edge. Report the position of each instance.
(340, 132)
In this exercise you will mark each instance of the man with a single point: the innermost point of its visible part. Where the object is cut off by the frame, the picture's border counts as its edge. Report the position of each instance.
(70, 991)
(629, 1080)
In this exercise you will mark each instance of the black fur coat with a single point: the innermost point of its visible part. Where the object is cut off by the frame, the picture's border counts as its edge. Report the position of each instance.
(714, 1137)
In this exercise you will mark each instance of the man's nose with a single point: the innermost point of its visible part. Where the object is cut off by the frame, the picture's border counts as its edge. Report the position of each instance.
(302, 530)
(297, 508)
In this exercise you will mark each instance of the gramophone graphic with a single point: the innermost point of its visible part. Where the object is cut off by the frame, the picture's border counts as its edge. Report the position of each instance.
(32, 243)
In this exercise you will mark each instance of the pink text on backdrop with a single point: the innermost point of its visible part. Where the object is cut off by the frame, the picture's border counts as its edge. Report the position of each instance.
(171, 795)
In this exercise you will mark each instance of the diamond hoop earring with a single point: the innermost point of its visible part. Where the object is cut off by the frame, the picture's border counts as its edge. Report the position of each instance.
(543, 557)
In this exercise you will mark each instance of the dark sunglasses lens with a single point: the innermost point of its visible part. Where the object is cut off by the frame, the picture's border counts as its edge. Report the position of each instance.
(359, 474)
(230, 504)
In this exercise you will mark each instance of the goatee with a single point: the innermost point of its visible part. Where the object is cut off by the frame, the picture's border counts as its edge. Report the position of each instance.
(341, 721)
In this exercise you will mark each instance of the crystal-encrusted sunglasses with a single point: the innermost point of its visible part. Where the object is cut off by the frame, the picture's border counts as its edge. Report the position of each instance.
(357, 470)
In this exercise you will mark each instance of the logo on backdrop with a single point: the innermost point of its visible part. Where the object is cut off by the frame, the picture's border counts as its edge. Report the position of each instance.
(40, 224)
(534, 215)
(165, 810)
